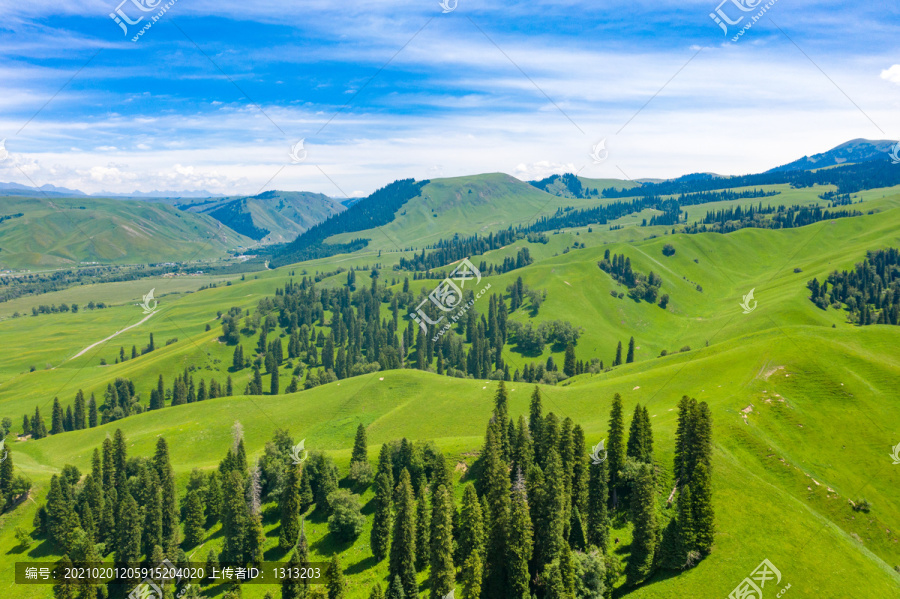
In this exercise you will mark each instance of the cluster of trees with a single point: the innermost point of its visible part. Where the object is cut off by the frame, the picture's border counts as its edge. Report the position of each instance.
(14, 487)
(356, 340)
(120, 401)
(640, 286)
(733, 219)
(519, 292)
(870, 292)
(531, 340)
(569, 182)
(848, 179)
(448, 251)
(370, 212)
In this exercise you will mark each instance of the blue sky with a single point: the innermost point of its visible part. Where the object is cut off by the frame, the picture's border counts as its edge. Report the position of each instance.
(214, 94)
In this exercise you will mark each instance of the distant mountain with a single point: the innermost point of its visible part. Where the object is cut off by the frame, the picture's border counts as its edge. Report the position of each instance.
(168, 194)
(851, 152)
(27, 190)
(272, 216)
(41, 232)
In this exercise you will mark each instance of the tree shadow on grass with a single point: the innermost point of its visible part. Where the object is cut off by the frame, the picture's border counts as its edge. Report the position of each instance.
(362, 566)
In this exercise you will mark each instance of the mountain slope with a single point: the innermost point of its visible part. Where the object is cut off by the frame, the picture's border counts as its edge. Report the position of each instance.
(853, 151)
(272, 216)
(63, 232)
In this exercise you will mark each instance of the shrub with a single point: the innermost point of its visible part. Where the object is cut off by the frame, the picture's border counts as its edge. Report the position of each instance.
(668, 250)
(360, 473)
(346, 520)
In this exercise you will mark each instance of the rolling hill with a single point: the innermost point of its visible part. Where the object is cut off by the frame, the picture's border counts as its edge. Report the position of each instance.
(271, 216)
(43, 233)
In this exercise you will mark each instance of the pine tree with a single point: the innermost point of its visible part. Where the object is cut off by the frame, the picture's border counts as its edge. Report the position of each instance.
(687, 539)
(152, 534)
(395, 589)
(273, 386)
(193, 519)
(60, 509)
(645, 535)
(120, 459)
(495, 482)
(64, 588)
(640, 441)
(536, 421)
(306, 492)
(128, 530)
(597, 515)
(520, 544)
(618, 360)
(472, 573)
(293, 588)
(38, 428)
(443, 571)
(577, 535)
(79, 418)
(290, 509)
(235, 518)
(423, 528)
(334, 579)
(167, 486)
(403, 539)
(470, 538)
(256, 540)
(6, 478)
(376, 593)
(381, 526)
(92, 411)
(630, 357)
(615, 448)
(360, 448)
(702, 509)
(213, 499)
(56, 422)
(569, 362)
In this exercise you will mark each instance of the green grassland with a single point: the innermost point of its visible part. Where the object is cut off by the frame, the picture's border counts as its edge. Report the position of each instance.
(65, 232)
(822, 393)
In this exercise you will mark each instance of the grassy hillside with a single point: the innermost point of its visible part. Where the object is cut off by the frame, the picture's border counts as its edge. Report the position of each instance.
(272, 216)
(65, 232)
(804, 404)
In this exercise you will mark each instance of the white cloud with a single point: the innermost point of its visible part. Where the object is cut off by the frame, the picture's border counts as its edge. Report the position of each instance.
(892, 74)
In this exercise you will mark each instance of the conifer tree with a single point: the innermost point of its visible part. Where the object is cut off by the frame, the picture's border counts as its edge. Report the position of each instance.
(423, 529)
(291, 587)
(470, 538)
(569, 362)
(235, 518)
(687, 539)
(501, 414)
(79, 417)
(597, 515)
(472, 573)
(65, 587)
(120, 459)
(536, 421)
(577, 536)
(519, 547)
(306, 492)
(128, 530)
(334, 579)
(256, 539)
(360, 446)
(702, 509)
(630, 357)
(382, 524)
(618, 360)
(645, 535)
(640, 437)
(56, 421)
(274, 385)
(395, 589)
(6, 478)
(495, 483)
(615, 448)
(213, 498)
(443, 571)
(579, 470)
(60, 509)
(167, 487)
(403, 539)
(152, 534)
(92, 411)
(193, 519)
(290, 509)
(376, 593)
(38, 428)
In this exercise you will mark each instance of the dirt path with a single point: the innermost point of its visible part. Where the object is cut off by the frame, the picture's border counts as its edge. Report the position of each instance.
(93, 345)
